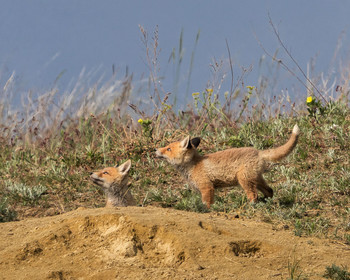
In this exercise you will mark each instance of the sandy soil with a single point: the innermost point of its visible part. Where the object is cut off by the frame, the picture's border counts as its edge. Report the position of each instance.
(157, 243)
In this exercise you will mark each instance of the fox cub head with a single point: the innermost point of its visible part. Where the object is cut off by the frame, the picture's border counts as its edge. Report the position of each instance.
(179, 153)
(112, 179)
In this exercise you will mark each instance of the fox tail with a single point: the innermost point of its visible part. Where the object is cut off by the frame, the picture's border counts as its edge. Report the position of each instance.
(279, 153)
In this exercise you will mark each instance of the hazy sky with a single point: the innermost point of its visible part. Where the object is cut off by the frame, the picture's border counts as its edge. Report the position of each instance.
(42, 38)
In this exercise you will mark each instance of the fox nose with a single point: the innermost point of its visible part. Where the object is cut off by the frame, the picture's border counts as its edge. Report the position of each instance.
(158, 154)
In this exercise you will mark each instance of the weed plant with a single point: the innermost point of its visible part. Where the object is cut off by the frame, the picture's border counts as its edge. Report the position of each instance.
(335, 272)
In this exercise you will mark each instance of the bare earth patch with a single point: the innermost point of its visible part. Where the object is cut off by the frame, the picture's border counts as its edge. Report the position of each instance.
(157, 243)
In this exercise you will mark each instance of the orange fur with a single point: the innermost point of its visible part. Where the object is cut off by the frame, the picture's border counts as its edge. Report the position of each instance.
(243, 166)
(114, 182)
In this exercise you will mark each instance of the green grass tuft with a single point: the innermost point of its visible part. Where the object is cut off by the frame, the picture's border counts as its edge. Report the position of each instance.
(335, 272)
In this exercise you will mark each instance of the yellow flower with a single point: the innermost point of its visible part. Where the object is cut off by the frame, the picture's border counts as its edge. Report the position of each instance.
(250, 88)
(140, 121)
(210, 90)
(309, 99)
(195, 94)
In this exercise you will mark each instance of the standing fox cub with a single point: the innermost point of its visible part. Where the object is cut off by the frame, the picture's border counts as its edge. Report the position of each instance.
(243, 166)
(114, 182)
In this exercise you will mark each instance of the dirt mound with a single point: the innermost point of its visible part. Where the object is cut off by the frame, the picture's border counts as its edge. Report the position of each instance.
(156, 243)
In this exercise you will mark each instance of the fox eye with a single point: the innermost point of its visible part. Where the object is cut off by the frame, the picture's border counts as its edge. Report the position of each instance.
(168, 149)
(105, 172)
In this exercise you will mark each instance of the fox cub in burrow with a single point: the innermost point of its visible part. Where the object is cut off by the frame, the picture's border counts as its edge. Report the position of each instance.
(115, 184)
(243, 166)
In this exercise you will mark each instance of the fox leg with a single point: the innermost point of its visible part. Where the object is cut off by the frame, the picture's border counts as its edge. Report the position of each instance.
(264, 187)
(249, 185)
(207, 192)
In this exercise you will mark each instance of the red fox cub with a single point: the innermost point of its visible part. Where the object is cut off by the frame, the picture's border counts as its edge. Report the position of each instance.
(114, 182)
(243, 166)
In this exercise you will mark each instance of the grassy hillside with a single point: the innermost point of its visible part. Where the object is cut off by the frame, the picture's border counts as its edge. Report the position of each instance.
(50, 146)
(45, 170)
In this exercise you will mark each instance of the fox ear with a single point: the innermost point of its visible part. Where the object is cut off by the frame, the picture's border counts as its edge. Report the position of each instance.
(186, 144)
(195, 141)
(124, 168)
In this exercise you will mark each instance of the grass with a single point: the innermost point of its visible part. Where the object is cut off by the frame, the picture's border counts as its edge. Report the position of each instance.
(24, 194)
(335, 272)
(311, 186)
(6, 213)
(48, 151)
(295, 271)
